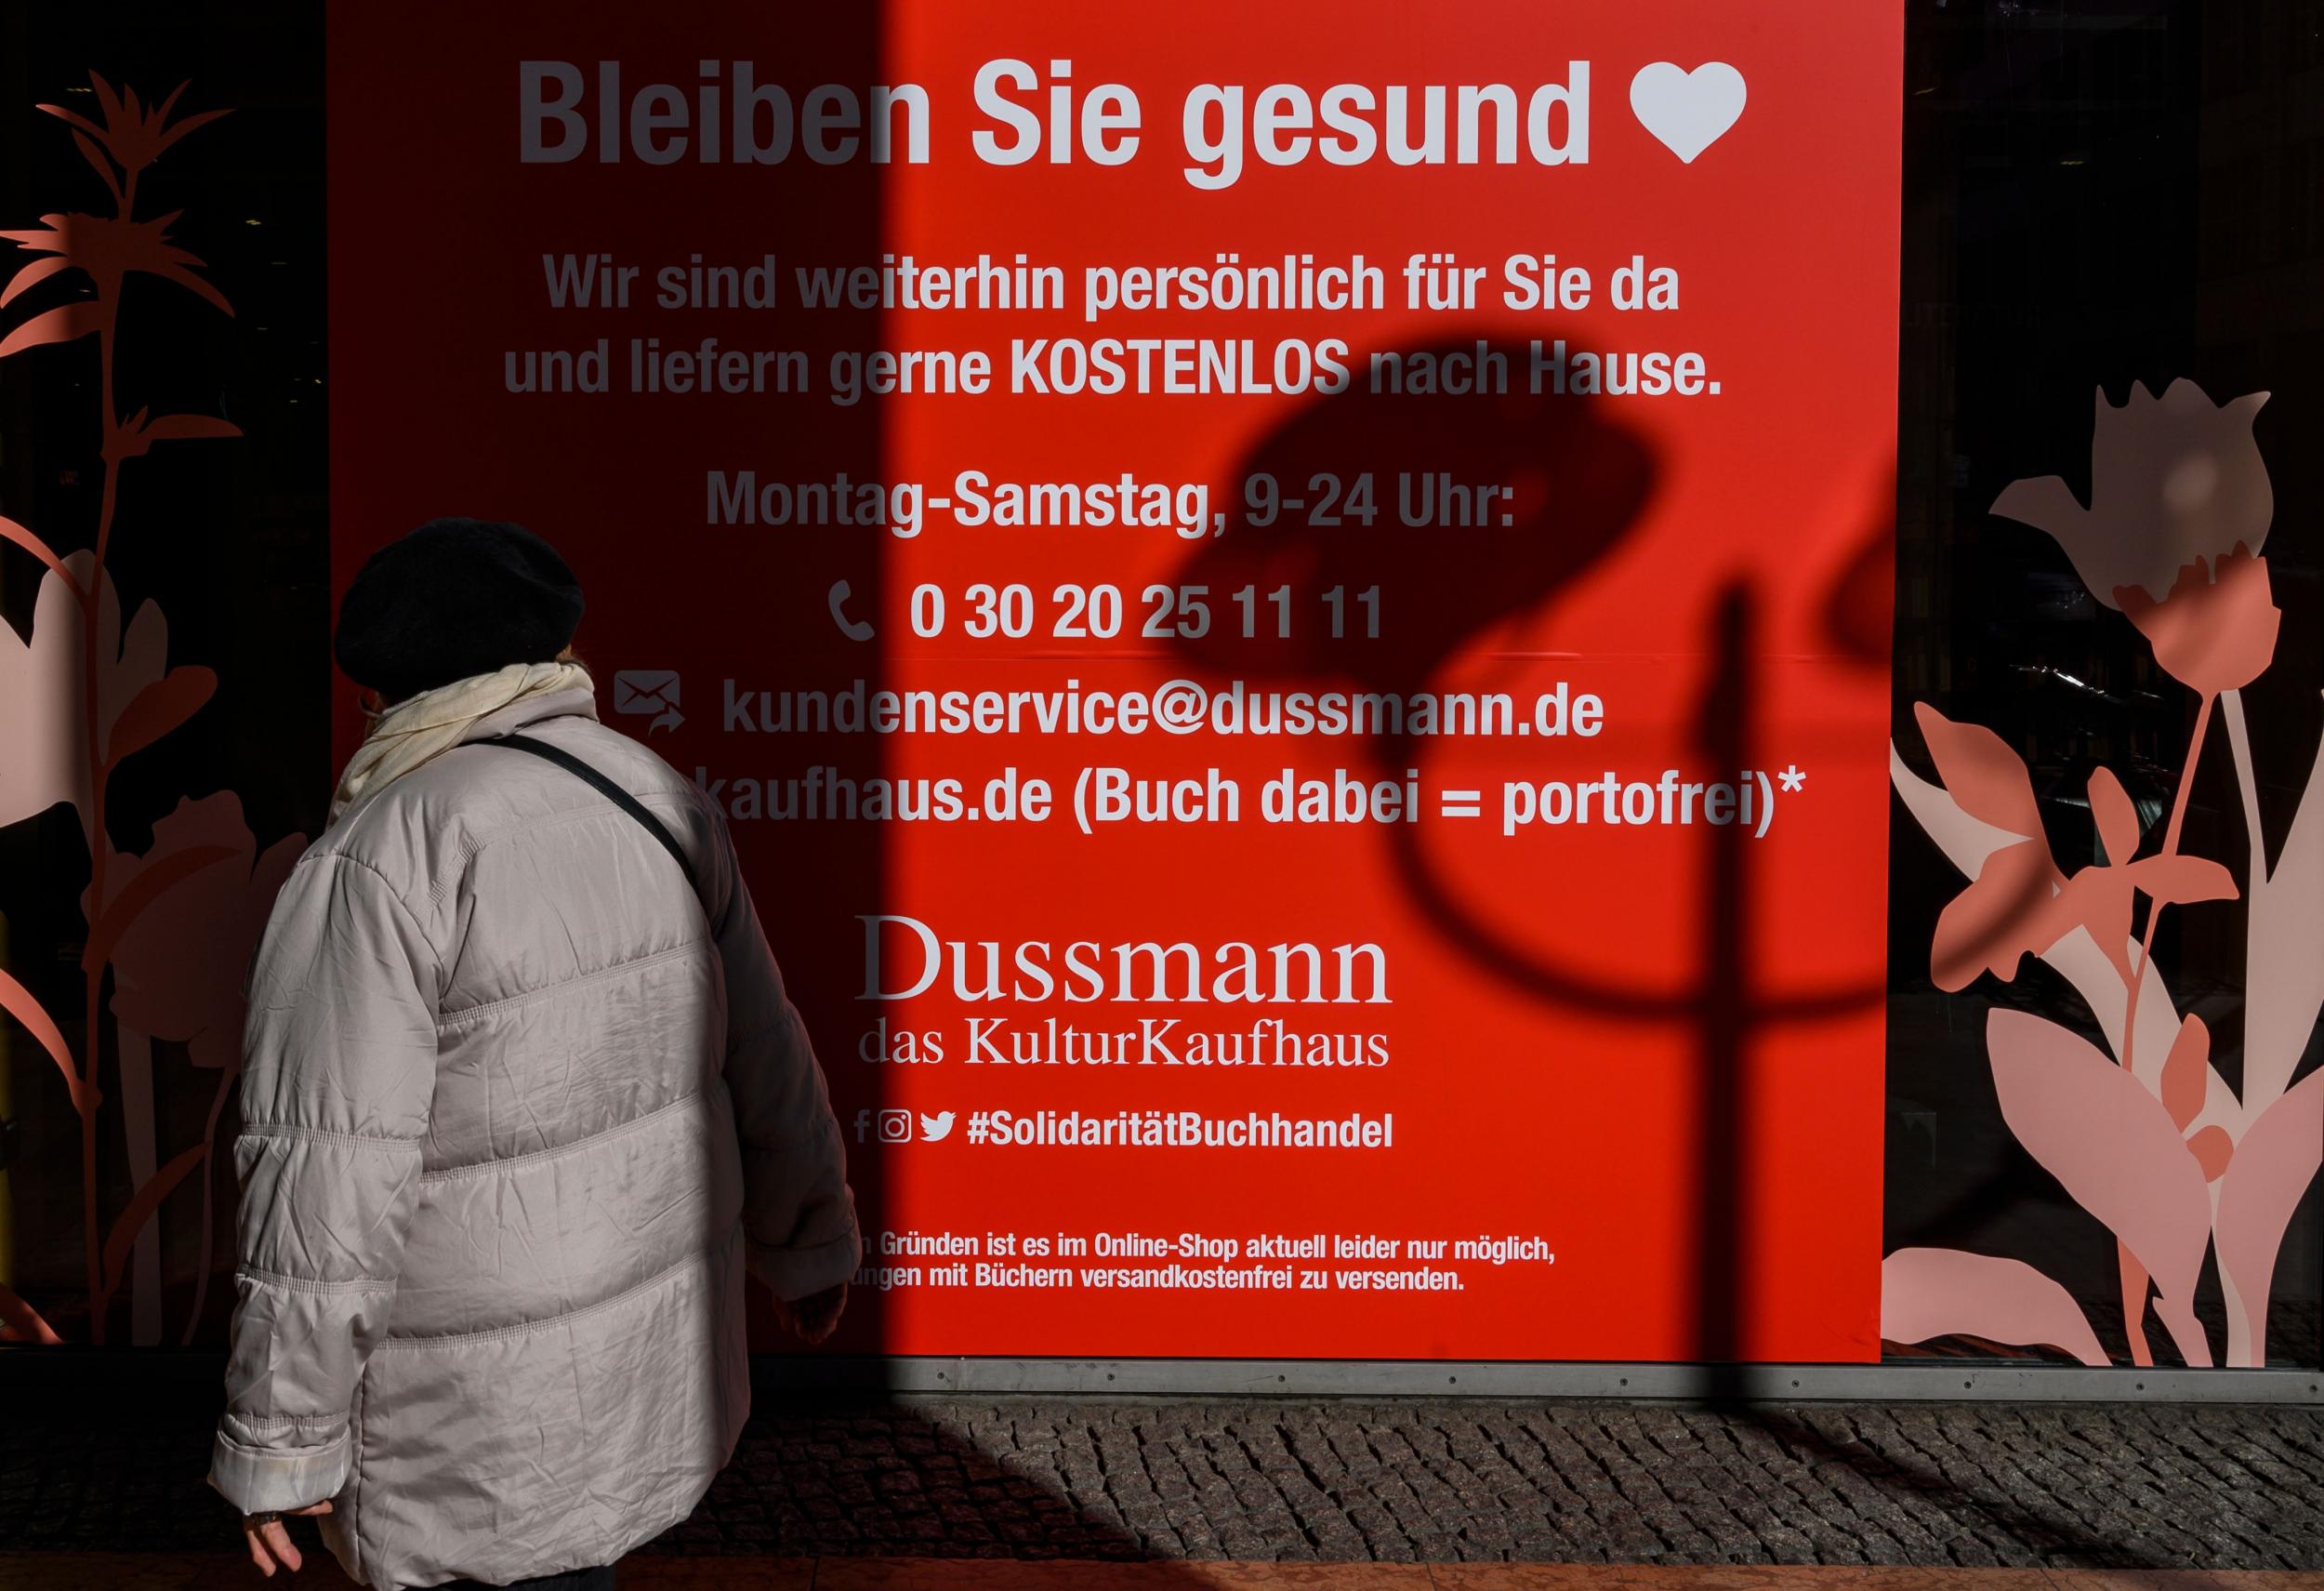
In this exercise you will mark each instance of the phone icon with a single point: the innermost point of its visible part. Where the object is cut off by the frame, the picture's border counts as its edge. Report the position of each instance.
(854, 628)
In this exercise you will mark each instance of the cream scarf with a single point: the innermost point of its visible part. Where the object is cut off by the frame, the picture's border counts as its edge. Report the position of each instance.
(420, 727)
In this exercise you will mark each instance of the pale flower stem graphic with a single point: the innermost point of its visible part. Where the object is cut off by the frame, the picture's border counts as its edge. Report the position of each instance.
(2246, 784)
(2241, 1345)
(2240, 1336)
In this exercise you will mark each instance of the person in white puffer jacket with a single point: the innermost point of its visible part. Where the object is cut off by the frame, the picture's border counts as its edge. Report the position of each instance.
(522, 1099)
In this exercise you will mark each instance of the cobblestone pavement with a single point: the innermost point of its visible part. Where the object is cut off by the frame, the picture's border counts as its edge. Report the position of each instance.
(1443, 1481)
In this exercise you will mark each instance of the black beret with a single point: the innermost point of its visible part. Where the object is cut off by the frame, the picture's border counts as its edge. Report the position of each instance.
(453, 598)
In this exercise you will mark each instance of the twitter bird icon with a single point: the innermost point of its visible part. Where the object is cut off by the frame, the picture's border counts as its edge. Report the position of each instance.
(935, 1127)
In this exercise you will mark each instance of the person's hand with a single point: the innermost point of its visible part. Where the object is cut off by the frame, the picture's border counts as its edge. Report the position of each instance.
(813, 1317)
(269, 1543)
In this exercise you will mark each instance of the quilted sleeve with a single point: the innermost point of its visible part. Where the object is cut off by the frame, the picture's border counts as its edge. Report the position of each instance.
(338, 1070)
(798, 1215)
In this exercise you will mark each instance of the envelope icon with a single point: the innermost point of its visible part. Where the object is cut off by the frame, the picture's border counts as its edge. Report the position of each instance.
(649, 693)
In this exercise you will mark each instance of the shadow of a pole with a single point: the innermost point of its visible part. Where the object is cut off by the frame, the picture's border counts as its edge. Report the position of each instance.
(1726, 1015)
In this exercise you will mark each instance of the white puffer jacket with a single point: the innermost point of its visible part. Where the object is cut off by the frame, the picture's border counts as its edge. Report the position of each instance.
(518, 1108)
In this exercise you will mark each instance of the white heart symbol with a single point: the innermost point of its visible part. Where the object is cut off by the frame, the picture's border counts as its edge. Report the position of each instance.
(1687, 110)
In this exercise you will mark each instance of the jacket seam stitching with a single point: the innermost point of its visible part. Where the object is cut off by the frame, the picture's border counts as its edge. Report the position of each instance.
(258, 1421)
(527, 1327)
(455, 872)
(326, 1135)
(534, 1157)
(249, 1455)
(302, 1284)
(468, 1014)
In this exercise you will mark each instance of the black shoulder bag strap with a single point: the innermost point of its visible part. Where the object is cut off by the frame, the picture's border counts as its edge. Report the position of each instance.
(606, 787)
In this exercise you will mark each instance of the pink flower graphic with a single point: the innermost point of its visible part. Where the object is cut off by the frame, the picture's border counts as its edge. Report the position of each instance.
(2215, 628)
(2170, 1156)
(2171, 479)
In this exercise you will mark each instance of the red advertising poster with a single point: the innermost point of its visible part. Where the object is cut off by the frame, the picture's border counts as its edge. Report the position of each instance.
(1288, 607)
